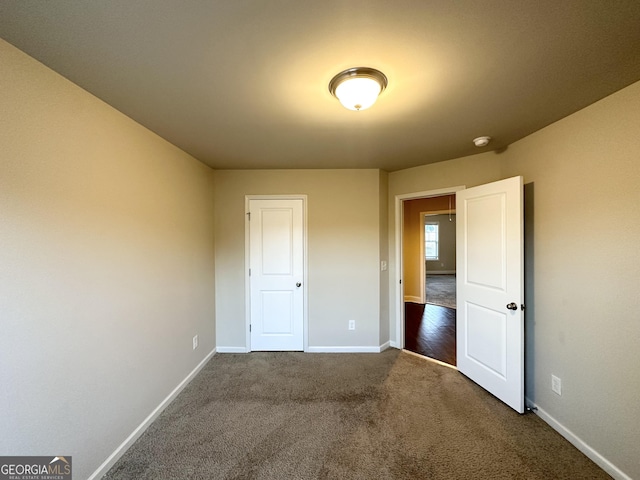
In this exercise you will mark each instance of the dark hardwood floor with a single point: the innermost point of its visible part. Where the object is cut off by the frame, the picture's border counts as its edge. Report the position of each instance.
(430, 330)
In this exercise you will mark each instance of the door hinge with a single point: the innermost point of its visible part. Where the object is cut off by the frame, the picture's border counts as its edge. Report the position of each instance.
(249, 272)
(522, 306)
(249, 216)
(249, 328)
(400, 282)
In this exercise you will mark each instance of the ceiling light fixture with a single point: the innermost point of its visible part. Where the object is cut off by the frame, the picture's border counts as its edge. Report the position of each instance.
(358, 88)
(481, 141)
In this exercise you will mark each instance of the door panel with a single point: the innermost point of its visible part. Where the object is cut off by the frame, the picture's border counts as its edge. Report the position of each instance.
(490, 336)
(276, 229)
(276, 259)
(485, 241)
(280, 306)
(486, 338)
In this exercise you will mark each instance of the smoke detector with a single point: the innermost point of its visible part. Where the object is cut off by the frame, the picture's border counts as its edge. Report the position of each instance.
(481, 141)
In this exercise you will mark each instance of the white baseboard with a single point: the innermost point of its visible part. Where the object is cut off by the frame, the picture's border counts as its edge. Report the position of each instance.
(411, 298)
(577, 442)
(232, 350)
(440, 272)
(345, 349)
(379, 349)
(115, 456)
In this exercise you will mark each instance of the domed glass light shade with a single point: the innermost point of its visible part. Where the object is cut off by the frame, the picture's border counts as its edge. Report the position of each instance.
(358, 88)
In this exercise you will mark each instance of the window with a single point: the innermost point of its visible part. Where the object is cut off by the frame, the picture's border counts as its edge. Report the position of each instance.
(431, 240)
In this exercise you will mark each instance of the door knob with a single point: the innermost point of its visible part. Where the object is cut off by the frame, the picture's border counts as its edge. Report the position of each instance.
(512, 306)
(298, 284)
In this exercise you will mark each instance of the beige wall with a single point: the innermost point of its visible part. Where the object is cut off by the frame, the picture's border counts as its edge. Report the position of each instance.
(344, 251)
(384, 256)
(411, 257)
(107, 255)
(583, 268)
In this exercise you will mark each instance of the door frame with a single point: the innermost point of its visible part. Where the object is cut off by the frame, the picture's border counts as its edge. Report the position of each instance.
(399, 211)
(305, 266)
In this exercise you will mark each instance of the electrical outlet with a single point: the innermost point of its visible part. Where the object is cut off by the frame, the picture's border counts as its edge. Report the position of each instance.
(352, 324)
(556, 384)
(195, 342)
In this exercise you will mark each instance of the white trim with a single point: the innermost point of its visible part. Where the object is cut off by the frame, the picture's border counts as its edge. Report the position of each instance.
(424, 222)
(247, 278)
(346, 349)
(577, 442)
(423, 263)
(379, 349)
(232, 350)
(441, 272)
(394, 345)
(124, 446)
(399, 199)
(399, 343)
(305, 266)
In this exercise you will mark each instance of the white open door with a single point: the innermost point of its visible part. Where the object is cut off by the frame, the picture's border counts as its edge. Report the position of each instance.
(490, 288)
(276, 261)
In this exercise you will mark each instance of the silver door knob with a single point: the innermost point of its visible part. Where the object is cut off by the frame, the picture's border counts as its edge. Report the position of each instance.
(298, 284)
(512, 306)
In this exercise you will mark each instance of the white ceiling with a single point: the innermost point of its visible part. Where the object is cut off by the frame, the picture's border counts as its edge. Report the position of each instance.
(244, 83)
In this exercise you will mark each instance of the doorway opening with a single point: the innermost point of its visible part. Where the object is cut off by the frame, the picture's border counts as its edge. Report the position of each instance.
(428, 288)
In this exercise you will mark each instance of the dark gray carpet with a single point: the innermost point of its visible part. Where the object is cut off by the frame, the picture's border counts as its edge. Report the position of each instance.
(344, 416)
(441, 290)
